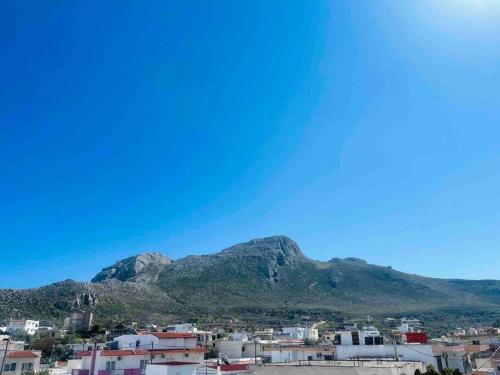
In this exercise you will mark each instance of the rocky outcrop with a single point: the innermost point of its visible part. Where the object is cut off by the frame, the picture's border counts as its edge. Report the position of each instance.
(143, 267)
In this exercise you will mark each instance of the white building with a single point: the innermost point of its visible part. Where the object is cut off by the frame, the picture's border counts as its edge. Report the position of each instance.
(204, 338)
(187, 368)
(410, 352)
(301, 333)
(342, 368)
(365, 336)
(271, 351)
(23, 325)
(157, 340)
(133, 362)
(17, 362)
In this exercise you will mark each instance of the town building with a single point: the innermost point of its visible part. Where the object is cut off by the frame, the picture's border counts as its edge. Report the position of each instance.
(301, 333)
(458, 356)
(155, 340)
(17, 362)
(342, 368)
(189, 368)
(129, 354)
(204, 338)
(365, 336)
(410, 352)
(133, 362)
(23, 326)
(79, 320)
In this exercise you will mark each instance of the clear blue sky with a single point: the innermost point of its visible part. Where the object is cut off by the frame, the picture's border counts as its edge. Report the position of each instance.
(358, 128)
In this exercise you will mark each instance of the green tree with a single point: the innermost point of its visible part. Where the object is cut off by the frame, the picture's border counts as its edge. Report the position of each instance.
(431, 370)
(447, 371)
(45, 345)
(417, 372)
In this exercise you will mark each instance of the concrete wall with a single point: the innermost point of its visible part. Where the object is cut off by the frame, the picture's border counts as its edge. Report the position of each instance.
(231, 349)
(151, 341)
(402, 369)
(170, 370)
(421, 353)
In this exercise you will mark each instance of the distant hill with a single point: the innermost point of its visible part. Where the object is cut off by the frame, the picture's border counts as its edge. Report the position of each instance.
(264, 280)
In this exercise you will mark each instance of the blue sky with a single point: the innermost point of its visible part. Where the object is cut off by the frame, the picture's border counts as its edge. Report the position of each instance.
(358, 128)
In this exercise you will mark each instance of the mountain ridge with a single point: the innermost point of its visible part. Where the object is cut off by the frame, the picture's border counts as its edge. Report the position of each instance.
(268, 279)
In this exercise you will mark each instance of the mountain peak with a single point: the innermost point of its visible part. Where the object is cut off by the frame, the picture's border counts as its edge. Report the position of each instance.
(144, 266)
(283, 243)
(280, 248)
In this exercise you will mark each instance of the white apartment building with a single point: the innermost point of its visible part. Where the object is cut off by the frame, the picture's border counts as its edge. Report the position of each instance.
(366, 336)
(157, 340)
(17, 362)
(23, 325)
(301, 333)
(204, 338)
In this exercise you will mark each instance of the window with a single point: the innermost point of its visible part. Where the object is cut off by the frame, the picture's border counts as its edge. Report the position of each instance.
(143, 363)
(110, 365)
(27, 366)
(9, 367)
(355, 337)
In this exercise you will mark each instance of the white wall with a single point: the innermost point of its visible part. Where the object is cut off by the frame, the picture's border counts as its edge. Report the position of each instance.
(422, 353)
(35, 362)
(129, 341)
(134, 361)
(294, 332)
(151, 341)
(402, 369)
(183, 327)
(28, 326)
(170, 370)
(231, 349)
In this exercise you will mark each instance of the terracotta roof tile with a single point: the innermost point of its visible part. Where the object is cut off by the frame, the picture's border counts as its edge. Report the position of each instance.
(22, 354)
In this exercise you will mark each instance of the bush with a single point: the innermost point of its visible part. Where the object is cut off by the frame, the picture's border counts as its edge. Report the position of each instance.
(431, 371)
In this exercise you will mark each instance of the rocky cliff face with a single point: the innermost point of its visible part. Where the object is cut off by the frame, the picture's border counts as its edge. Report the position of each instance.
(143, 267)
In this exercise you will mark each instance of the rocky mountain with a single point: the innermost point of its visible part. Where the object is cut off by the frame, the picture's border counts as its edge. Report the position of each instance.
(267, 279)
(145, 266)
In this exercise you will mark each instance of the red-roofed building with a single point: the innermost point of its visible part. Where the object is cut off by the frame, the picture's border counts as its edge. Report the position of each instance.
(19, 361)
(134, 361)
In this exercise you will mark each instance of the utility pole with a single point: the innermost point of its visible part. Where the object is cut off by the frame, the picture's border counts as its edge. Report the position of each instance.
(396, 356)
(255, 350)
(152, 354)
(4, 355)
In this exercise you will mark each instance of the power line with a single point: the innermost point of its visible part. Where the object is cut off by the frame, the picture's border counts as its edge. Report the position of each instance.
(479, 368)
(415, 350)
